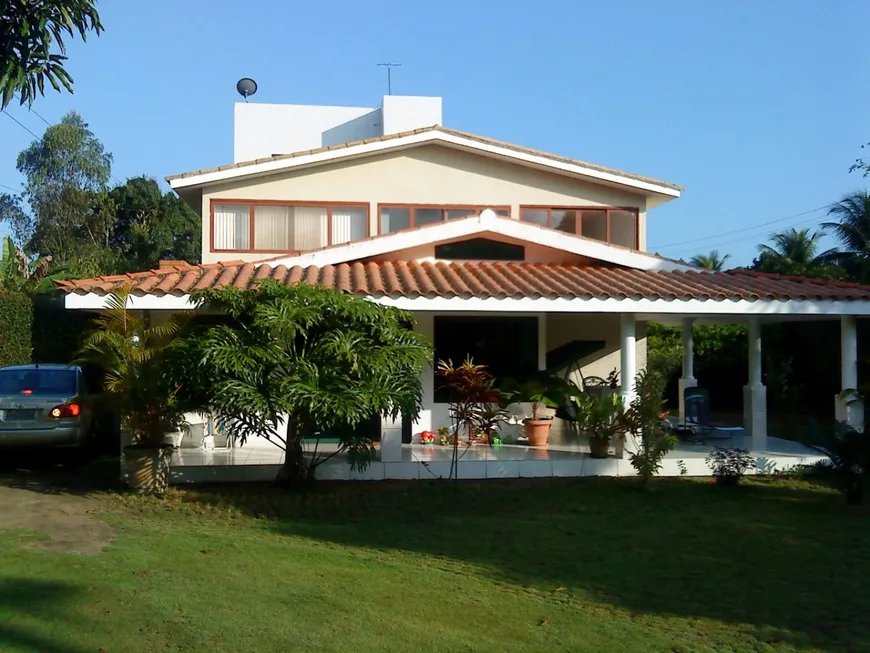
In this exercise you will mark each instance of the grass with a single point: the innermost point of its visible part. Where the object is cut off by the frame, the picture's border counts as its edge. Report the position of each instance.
(593, 565)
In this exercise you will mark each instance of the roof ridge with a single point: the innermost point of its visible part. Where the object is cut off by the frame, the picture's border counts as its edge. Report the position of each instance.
(420, 130)
(794, 278)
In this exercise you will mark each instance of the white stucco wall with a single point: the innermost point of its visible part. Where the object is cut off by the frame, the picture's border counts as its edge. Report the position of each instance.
(429, 174)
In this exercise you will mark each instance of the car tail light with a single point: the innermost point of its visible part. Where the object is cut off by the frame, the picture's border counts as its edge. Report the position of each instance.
(27, 393)
(65, 411)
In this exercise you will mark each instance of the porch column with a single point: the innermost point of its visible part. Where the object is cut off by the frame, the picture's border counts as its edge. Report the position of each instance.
(391, 440)
(847, 408)
(688, 379)
(754, 393)
(542, 341)
(627, 373)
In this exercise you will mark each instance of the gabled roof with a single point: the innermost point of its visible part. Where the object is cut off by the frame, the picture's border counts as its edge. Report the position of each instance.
(488, 222)
(433, 134)
(484, 280)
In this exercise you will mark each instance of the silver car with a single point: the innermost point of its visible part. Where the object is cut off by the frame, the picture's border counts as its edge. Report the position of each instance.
(44, 406)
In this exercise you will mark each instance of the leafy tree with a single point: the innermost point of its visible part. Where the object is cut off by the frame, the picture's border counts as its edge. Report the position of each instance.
(794, 252)
(852, 232)
(150, 225)
(32, 48)
(13, 213)
(66, 173)
(16, 270)
(861, 165)
(711, 261)
(293, 362)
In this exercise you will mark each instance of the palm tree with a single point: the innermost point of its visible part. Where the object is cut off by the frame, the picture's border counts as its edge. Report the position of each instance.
(852, 232)
(711, 261)
(794, 252)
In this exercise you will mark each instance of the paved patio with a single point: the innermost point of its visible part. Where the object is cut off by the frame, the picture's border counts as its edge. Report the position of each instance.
(259, 463)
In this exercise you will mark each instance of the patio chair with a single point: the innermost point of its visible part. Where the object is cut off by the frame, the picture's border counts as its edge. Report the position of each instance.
(698, 425)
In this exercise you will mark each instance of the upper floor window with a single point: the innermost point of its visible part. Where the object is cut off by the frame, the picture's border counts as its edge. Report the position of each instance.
(395, 217)
(285, 227)
(618, 226)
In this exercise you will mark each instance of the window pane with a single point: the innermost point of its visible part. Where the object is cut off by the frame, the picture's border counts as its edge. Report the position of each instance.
(480, 249)
(427, 216)
(537, 216)
(594, 224)
(455, 214)
(348, 224)
(273, 230)
(505, 213)
(623, 228)
(231, 226)
(564, 220)
(309, 227)
(395, 219)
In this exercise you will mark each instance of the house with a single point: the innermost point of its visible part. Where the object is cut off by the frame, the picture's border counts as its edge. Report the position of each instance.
(524, 259)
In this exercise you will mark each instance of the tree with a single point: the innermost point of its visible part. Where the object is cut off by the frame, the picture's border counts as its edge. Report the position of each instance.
(794, 252)
(16, 270)
(852, 232)
(66, 176)
(861, 165)
(293, 362)
(32, 48)
(711, 261)
(150, 225)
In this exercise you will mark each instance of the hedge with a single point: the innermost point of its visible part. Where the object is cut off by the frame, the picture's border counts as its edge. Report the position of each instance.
(16, 321)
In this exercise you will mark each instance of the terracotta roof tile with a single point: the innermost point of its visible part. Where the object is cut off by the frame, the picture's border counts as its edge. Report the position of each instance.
(483, 280)
(440, 128)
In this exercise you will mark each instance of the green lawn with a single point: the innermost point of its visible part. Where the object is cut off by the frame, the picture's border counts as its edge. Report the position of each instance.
(593, 565)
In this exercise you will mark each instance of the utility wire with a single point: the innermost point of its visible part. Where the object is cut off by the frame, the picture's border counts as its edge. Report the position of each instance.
(14, 190)
(33, 111)
(737, 231)
(20, 124)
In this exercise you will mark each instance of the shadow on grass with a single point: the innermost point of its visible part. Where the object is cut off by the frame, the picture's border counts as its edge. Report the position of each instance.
(59, 472)
(24, 602)
(786, 561)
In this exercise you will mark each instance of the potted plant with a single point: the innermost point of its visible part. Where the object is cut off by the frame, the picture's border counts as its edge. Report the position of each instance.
(132, 353)
(542, 392)
(603, 418)
(729, 465)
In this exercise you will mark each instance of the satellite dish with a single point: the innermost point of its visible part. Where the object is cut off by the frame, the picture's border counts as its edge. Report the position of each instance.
(246, 87)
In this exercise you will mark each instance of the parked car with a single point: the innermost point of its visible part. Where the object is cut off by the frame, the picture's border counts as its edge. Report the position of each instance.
(44, 406)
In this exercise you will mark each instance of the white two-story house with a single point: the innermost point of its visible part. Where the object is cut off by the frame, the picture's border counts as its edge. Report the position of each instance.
(523, 259)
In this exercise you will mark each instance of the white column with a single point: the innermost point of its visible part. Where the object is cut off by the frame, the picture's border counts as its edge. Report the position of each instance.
(687, 380)
(847, 407)
(391, 440)
(754, 393)
(542, 341)
(627, 372)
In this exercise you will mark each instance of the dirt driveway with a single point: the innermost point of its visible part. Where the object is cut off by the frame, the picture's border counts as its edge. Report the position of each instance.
(36, 501)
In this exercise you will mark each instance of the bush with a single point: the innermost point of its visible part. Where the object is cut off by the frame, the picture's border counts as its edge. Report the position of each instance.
(729, 465)
(16, 320)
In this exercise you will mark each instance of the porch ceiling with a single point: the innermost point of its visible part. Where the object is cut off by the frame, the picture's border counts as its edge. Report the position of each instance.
(483, 280)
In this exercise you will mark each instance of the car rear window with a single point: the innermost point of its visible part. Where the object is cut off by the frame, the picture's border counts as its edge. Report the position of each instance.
(38, 382)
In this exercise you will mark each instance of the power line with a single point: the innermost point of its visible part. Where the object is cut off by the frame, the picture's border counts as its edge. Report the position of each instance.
(20, 124)
(767, 234)
(737, 231)
(14, 190)
(33, 111)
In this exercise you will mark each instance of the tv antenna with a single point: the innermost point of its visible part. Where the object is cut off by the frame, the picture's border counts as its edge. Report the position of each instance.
(246, 87)
(389, 67)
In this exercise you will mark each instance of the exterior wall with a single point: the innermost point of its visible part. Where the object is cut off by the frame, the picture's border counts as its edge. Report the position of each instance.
(261, 130)
(366, 126)
(534, 253)
(428, 174)
(559, 330)
(403, 113)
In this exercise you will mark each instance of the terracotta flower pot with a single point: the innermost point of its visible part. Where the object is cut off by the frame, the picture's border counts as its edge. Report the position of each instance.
(599, 447)
(538, 431)
(147, 468)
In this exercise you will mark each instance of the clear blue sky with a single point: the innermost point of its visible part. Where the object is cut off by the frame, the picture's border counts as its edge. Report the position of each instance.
(756, 107)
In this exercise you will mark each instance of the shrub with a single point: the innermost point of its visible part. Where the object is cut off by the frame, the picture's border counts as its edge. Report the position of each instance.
(16, 320)
(57, 333)
(729, 465)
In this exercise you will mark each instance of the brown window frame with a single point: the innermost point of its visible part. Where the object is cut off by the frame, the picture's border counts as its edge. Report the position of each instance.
(252, 203)
(578, 227)
(443, 207)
